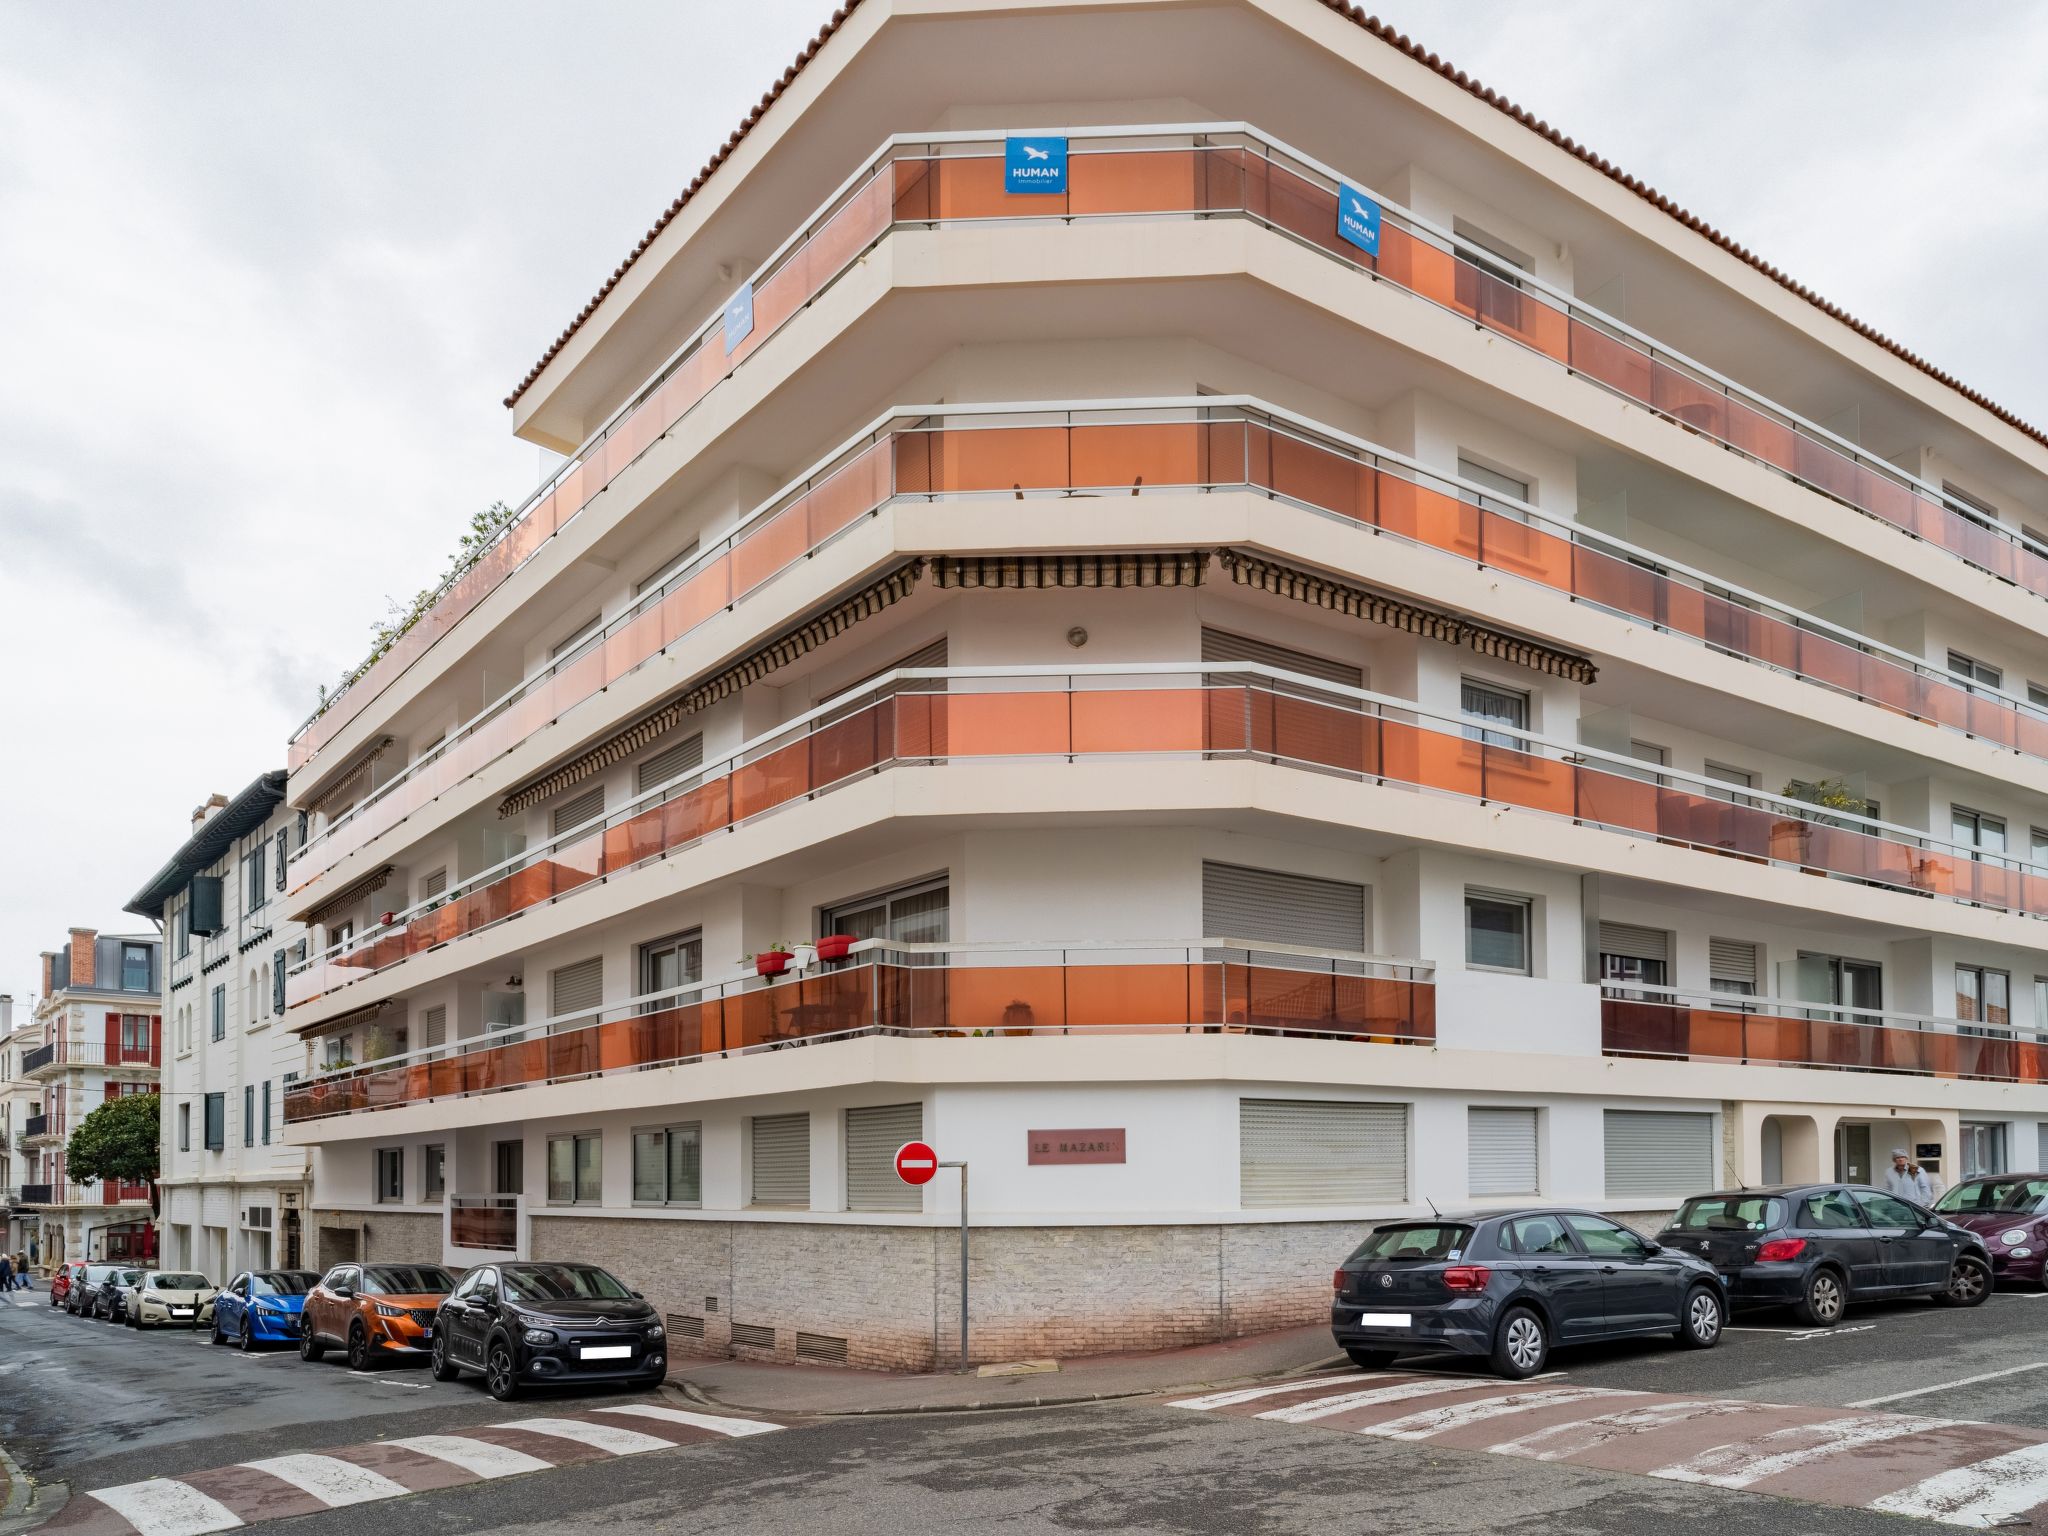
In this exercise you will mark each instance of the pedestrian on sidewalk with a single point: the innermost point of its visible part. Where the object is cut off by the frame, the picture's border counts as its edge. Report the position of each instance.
(21, 1277)
(6, 1273)
(1905, 1179)
(1929, 1180)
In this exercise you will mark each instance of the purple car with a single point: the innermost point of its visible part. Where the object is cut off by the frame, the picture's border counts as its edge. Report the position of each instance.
(2010, 1212)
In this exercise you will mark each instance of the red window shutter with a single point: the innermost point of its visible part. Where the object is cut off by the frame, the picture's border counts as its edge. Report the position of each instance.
(113, 1038)
(113, 1090)
(156, 1039)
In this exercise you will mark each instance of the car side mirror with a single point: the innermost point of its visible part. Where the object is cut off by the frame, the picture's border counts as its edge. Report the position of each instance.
(1652, 1248)
(638, 1297)
(346, 1293)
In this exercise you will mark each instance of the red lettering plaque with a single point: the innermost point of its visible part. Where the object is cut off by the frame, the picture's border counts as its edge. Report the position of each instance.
(1053, 1147)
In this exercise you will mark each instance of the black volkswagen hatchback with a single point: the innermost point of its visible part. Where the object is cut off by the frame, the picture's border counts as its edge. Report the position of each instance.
(521, 1325)
(1510, 1285)
(1818, 1247)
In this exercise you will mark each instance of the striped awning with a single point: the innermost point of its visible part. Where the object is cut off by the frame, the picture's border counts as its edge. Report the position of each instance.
(350, 1020)
(1043, 572)
(347, 896)
(350, 775)
(1360, 602)
(772, 657)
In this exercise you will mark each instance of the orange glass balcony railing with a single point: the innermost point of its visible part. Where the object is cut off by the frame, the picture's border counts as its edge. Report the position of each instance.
(923, 990)
(486, 1222)
(1160, 710)
(1661, 1021)
(1223, 171)
(1164, 446)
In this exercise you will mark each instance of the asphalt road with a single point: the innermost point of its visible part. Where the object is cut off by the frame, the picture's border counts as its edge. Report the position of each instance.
(95, 1406)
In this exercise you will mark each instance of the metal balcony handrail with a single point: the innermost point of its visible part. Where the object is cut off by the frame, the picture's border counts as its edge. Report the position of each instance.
(1294, 159)
(1842, 1013)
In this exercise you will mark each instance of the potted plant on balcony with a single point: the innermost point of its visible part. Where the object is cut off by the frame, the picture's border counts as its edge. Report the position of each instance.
(772, 961)
(833, 946)
(1018, 1018)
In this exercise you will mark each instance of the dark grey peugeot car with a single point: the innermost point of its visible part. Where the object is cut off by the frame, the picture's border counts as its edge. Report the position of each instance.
(1510, 1285)
(1817, 1247)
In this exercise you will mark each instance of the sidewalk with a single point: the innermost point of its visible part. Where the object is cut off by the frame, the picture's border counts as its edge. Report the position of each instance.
(766, 1388)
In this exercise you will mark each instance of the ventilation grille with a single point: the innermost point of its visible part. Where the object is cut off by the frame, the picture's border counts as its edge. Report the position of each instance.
(820, 1349)
(681, 1327)
(753, 1336)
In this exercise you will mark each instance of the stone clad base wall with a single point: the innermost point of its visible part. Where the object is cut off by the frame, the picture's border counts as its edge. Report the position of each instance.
(888, 1297)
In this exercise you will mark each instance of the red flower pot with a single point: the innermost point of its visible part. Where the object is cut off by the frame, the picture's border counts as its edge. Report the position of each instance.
(835, 945)
(773, 962)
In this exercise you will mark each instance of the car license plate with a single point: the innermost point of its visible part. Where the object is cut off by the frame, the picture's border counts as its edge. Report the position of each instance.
(1385, 1319)
(605, 1352)
(181, 1311)
(426, 1334)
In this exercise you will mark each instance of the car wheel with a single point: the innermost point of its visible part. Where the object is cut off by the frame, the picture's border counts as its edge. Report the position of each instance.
(501, 1378)
(1371, 1359)
(443, 1368)
(246, 1339)
(1522, 1346)
(1824, 1299)
(1700, 1324)
(1969, 1282)
(218, 1336)
(310, 1347)
(358, 1347)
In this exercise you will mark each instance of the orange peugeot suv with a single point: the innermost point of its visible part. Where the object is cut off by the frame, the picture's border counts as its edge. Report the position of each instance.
(373, 1311)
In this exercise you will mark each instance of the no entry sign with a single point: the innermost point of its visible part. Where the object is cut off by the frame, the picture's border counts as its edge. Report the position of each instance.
(916, 1162)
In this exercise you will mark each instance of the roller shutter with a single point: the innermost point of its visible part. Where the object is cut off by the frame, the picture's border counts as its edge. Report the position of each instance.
(782, 1160)
(669, 763)
(1219, 646)
(1321, 1152)
(1501, 1151)
(2041, 1149)
(434, 1027)
(1658, 1154)
(1733, 962)
(574, 988)
(1241, 903)
(872, 1137)
(570, 814)
(1634, 943)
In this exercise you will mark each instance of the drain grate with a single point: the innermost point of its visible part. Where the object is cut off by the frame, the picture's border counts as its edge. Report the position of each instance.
(820, 1349)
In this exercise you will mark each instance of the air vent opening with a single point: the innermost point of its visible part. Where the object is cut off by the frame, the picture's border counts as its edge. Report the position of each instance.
(753, 1336)
(820, 1349)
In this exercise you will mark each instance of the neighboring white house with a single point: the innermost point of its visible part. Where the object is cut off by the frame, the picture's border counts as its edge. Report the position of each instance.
(233, 1194)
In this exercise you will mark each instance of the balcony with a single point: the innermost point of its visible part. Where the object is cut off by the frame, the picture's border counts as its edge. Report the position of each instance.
(36, 1195)
(1152, 710)
(922, 990)
(1212, 445)
(34, 1126)
(1689, 1026)
(35, 1060)
(49, 1060)
(1225, 170)
(480, 1223)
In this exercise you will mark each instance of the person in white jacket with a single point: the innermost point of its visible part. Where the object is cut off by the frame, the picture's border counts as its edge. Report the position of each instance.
(1906, 1181)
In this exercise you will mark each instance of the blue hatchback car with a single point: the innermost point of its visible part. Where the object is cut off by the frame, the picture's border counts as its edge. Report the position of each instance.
(261, 1306)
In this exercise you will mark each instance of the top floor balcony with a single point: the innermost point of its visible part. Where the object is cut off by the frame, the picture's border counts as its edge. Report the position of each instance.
(1194, 173)
(1211, 444)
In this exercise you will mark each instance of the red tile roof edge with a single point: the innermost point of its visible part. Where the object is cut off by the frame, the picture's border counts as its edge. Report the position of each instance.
(1413, 50)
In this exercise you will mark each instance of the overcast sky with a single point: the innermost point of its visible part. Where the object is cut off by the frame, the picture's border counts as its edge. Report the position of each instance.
(266, 272)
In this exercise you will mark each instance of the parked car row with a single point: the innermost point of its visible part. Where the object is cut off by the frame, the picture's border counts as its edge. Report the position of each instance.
(1509, 1286)
(513, 1325)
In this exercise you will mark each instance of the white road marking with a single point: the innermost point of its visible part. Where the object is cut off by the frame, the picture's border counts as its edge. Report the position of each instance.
(605, 1437)
(1739, 1465)
(166, 1507)
(417, 1386)
(1966, 1381)
(330, 1479)
(1981, 1495)
(1561, 1440)
(1436, 1421)
(1249, 1394)
(1832, 1333)
(1323, 1407)
(718, 1426)
(478, 1456)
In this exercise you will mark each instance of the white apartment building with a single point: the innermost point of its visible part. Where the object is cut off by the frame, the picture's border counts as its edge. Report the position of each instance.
(94, 1036)
(19, 1098)
(1326, 650)
(233, 1193)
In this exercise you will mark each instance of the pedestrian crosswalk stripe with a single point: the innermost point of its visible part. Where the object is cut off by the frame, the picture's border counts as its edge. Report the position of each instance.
(1437, 1421)
(1737, 1466)
(603, 1437)
(1324, 1407)
(737, 1428)
(329, 1479)
(478, 1456)
(1561, 1440)
(1250, 1394)
(1983, 1494)
(166, 1507)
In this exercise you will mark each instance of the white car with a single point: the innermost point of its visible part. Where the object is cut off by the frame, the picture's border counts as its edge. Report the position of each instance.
(174, 1298)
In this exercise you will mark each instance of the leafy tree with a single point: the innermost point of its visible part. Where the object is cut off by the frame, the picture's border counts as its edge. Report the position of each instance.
(122, 1139)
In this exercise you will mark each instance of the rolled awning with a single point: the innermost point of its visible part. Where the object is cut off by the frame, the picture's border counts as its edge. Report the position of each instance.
(349, 1020)
(1043, 572)
(347, 896)
(350, 775)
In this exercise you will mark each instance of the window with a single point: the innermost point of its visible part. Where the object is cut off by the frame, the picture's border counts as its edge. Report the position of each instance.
(576, 810)
(2037, 695)
(1296, 1152)
(1281, 908)
(181, 929)
(576, 988)
(266, 1112)
(135, 968)
(1983, 996)
(1975, 508)
(1732, 967)
(1541, 1234)
(780, 1160)
(1831, 1212)
(1983, 1147)
(1604, 1239)
(1975, 830)
(668, 1165)
(575, 637)
(1886, 1210)
(1491, 480)
(1971, 670)
(575, 1169)
(248, 1114)
(216, 1121)
(220, 1013)
(872, 1137)
(434, 1026)
(672, 962)
(669, 763)
(1657, 1153)
(508, 1167)
(1490, 706)
(184, 1127)
(1644, 752)
(1497, 933)
(666, 569)
(338, 934)
(255, 884)
(434, 884)
(1632, 954)
(911, 914)
(1500, 1151)
(337, 1050)
(390, 1175)
(135, 1037)
(1220, 647)
(433, 1173)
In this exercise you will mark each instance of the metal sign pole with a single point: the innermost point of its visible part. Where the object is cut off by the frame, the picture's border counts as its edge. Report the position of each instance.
(963, 1260)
